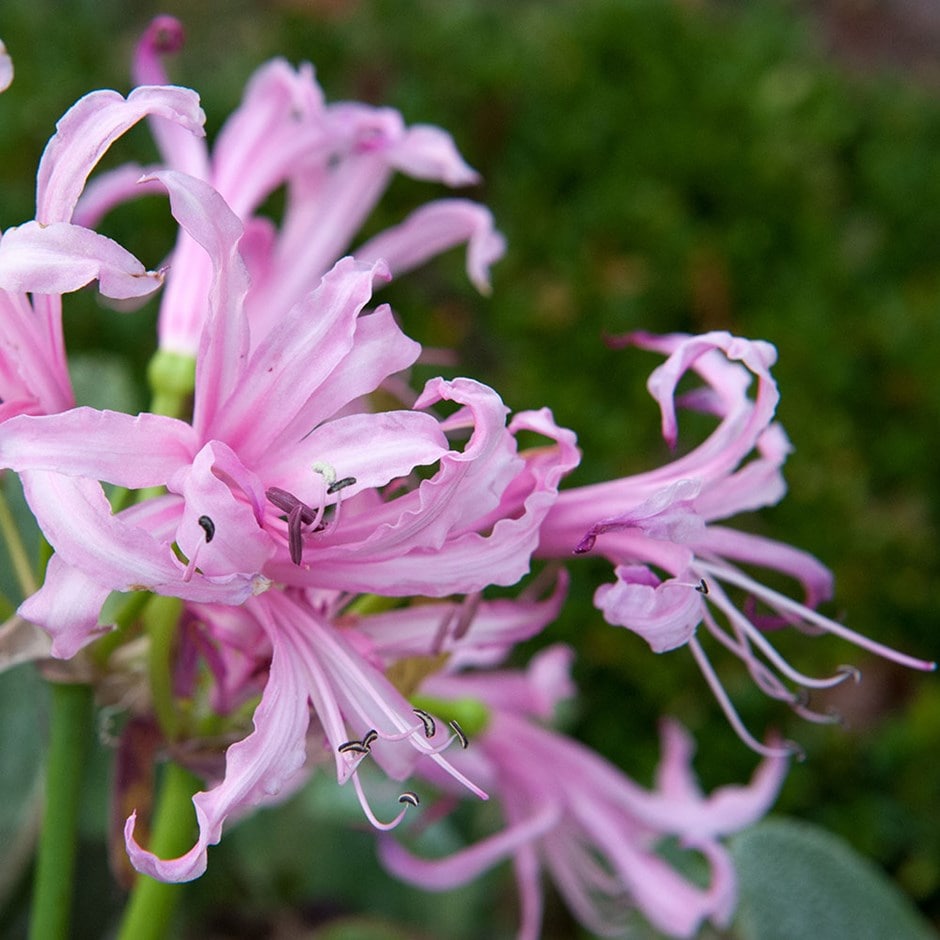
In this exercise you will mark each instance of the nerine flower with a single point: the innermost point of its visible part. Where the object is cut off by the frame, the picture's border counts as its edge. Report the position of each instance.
(325, 696)
(276, 449)
(52, 255)
(570, 812)
(674, 566)
(315, 670)
(334, 161)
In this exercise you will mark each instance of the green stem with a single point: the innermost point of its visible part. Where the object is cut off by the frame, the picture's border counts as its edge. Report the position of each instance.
(152, 903)
(68, 747)
(161, 618)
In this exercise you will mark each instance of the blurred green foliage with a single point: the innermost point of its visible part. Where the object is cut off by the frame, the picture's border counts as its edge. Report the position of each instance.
(654, 165)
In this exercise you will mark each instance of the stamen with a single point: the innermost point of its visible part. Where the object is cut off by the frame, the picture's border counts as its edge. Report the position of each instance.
(370, 738)
(340, 485)
(789, 748)
(208, 526)
(327, 471)
(788, 605)
(364, 803)
(409, 797)
(299, 514)
(828, 717)
(702, 587)
(427, 721)
(739, 621)
(458, 731)
(353, 747)
(295, 535)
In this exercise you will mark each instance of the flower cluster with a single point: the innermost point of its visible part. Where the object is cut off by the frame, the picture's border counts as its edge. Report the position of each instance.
(271, 540)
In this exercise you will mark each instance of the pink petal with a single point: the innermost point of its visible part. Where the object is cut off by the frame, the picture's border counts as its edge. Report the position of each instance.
(179, 149)
(379, 349)
(67, 607)
(429, 153)
(372, 448)
(293, 361)
(218, 532)
(132, 451)
(665, 614)
(434, 229)
(443, 874)
(6, 68)
(87, 130)
(207, 220)
(34, 377)
(76, 518)
(257, 768)
(59, 257)
(277, 127)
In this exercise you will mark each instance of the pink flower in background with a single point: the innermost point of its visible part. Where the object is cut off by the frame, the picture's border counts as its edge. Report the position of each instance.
(51, 255)
(672, 562)
(6, 68)
(571, 813)
(334, 161)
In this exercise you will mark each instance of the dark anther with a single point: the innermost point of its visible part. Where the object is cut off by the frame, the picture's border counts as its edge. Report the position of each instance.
(299, 514)
(353, 747)
(702, 587)
(370, 738)
(409, 797)
(427, 721)
(461, 737)
(208, 526)
(287, 501)
(340, 485)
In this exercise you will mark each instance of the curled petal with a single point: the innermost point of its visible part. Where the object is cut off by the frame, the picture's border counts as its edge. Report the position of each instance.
(218, 532)
(59, 257)
(442, 874)
(432, 230)
(666, 614)
(87, 130)
(257, 769)
(429, 153)
(163, 36)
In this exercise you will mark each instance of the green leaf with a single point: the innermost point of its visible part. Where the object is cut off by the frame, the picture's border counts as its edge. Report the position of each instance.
(797, 880)
(22, 704)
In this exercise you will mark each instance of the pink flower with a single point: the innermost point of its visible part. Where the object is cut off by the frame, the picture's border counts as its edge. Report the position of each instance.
(359, 715)
(6, 68)
(673, 564)
(45, 258)
(335, 162)
(593, 829)
(277, 432)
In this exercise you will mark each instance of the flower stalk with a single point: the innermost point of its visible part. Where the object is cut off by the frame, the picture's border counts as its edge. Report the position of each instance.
(71, 736)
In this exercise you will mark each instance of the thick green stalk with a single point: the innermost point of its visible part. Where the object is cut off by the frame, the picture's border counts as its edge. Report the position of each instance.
(152, 903)
(71, 736)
